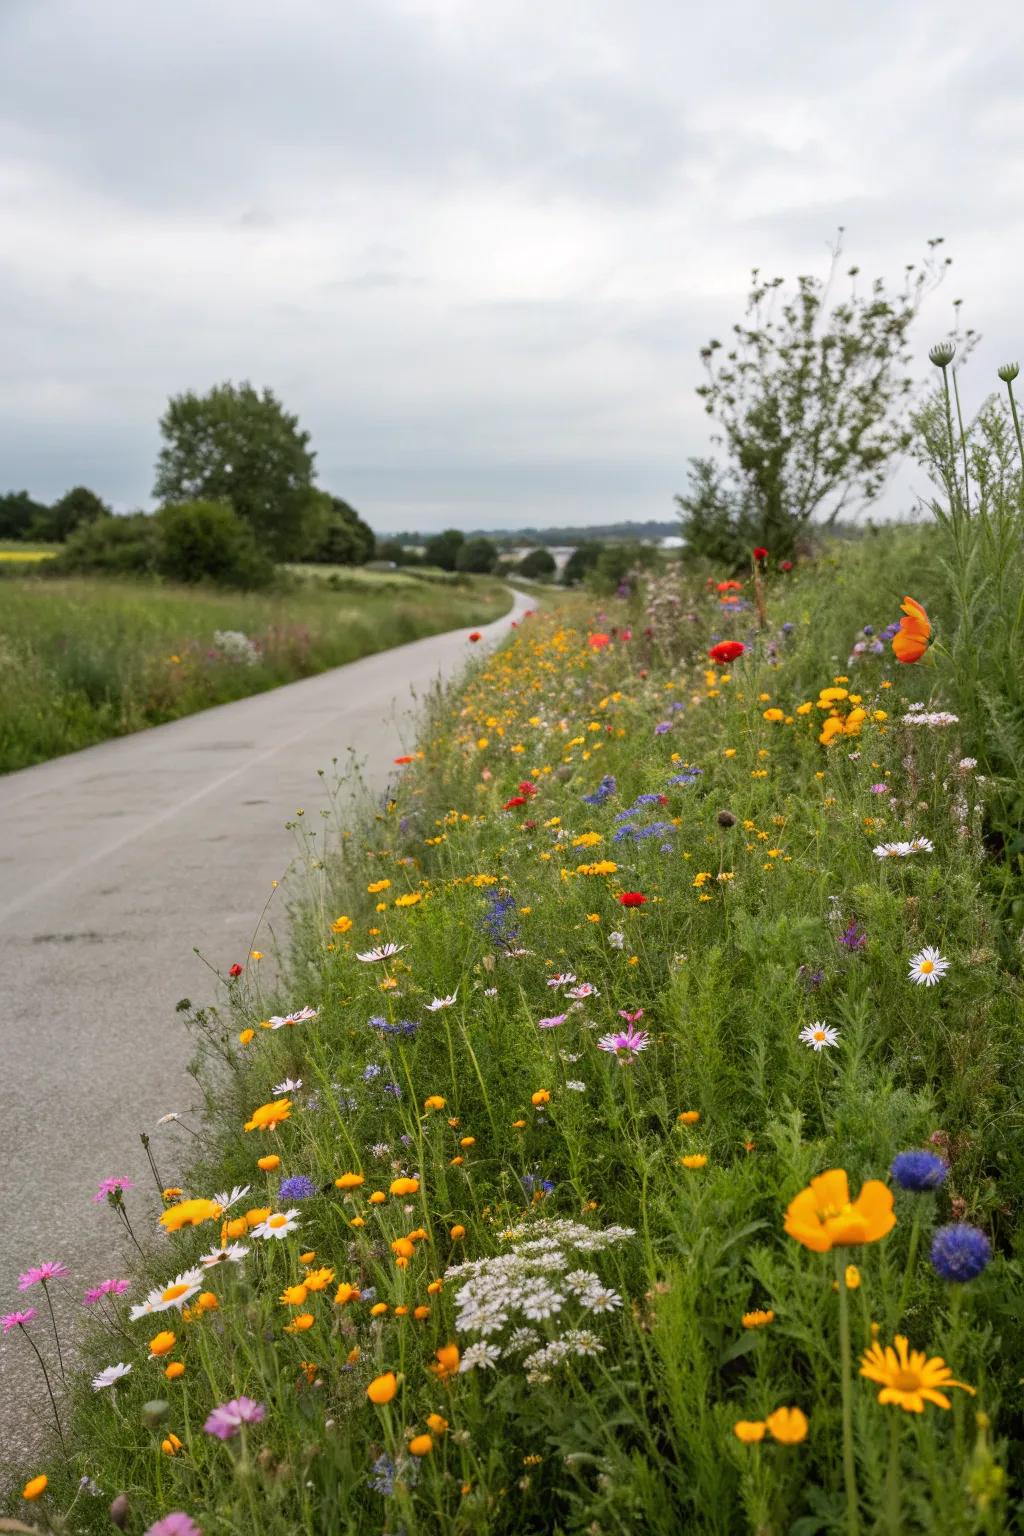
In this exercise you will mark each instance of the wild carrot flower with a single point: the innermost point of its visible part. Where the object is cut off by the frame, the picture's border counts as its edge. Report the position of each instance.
(907, 1377)
(823, 1217)
(228, 1419)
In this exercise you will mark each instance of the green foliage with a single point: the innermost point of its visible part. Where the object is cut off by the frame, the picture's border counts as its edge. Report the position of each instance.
(442, 548)
(619, 564)
(237, 445)
(75, 507)
(208, 541)
(715, 526)
(477, 555)
(18, 514)
(538, 564)
(810, 401)
(120, 546)
(391, 549)
(583, 559)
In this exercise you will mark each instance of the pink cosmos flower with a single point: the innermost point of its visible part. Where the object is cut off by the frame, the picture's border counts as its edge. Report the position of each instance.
(626, 1044)
(176, 1524)
(111, 1187)
(552, 1022)
(227, 1420)
(16, 1320)
(41, 1273)
(630, 1018)
(563, 979)
(107, 1288)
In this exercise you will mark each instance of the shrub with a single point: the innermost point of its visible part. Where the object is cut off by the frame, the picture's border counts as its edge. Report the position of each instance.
(539, 563)
(477, 555)
(207, 540)
(116, 546)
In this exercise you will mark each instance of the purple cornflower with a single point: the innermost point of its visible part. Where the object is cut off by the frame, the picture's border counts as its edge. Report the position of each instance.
(393, 1089)
(227, 1420)
(879, 789)
(531, 1183)
(175, 1524)
(602, 792)
(553, 1021)
(108, 1288)
(853, 937)
(111, 1187)
(16, 1319)
(41, 1273)
(960, 1252)
(810, 979)
(919, 1170)
(626, 1044)
(370, 1071)
(298, 1187)
(662, 727)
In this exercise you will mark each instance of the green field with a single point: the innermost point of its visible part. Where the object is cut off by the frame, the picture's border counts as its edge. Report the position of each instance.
(83, 659)
(498, 1271)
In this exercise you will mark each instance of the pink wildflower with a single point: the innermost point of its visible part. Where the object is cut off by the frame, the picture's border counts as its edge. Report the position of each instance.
(107, 1288)
(227, 1420)
(553, 1021)
(626, 1044)
(16, 1320)
(41, 1273)
(111, 1187)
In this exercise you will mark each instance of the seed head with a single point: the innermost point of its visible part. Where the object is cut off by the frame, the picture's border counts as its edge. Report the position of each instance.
(726, 819)
(1008, 372)
(942, 354)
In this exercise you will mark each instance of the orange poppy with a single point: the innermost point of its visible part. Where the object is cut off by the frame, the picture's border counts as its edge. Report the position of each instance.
(823, 1216)
(911, 640)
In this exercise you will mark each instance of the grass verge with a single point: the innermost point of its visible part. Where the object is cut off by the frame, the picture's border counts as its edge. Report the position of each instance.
(82, 659)
(512, 1222)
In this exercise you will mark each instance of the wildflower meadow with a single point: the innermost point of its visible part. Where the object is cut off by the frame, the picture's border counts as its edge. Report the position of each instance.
(629, 1140)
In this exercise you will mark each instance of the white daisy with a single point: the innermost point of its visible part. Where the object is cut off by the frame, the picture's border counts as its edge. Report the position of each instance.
(234, 1253)
(278, 1225)
(110, 1376)
(892, 850)
(225, 1201)
(927, 967)
(922, 845)
(382, 952)
(284, 1021)
(484, 1356)
(174, 1294)
(601, 1300)
(819, 1035)
(442, 1002)
(290, 1085)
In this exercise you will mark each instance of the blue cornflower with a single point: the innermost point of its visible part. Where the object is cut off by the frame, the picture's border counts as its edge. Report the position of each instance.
(788, 628)
(624, 833)
(298, 1187)
(960, 1252)
(371, 1071)
(531, 1183)
(627, 814)
(690, 776)
(869, 629)
(393, 1089)
(602, 792)
(919, 1170)
(647, 800)
(662, 726)
(498, 919)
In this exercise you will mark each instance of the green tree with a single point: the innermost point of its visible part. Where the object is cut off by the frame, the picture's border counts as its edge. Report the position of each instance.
(477, 555)
(539, 564)
(401, 554)
(75, 507)
(715, 525)
(116, 546)
(811, 398)
(336, 534)
(239, 446)
(18, 512)
(208, 541)
(442, 548)
(583, 559)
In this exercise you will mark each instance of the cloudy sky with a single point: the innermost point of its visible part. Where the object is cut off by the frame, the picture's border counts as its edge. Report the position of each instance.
(474, 244)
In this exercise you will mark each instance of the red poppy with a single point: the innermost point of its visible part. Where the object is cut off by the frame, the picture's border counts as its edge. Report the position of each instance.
(476, 635)
(235, 970)
(598, 642)
(516, 800)
(526, 788)
(632, 899)
(401, 761)
(627, 634)
(726, 651)
(760, 553)
(786, 565)
(729, 586)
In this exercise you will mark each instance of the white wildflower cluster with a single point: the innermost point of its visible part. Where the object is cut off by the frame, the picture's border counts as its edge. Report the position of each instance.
(918, 715)
(903, 850)
(235, 646)
(531, 1284)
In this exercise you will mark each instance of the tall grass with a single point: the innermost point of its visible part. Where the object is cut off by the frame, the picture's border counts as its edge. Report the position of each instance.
(561, 776)
(82, 659)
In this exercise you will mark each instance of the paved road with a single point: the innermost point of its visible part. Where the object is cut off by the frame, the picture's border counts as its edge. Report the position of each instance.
(114, 862)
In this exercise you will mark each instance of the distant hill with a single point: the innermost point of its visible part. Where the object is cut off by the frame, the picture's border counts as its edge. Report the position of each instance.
(653, 529)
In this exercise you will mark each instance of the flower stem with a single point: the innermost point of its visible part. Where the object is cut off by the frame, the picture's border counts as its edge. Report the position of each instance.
(56, 1335)
(849, 1468)
(892, 1476)
(908, 1269)
(1016, 418)
(49, 1389)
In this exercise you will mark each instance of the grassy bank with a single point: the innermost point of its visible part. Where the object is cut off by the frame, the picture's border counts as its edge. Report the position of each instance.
(86, 659)
(526, 1238)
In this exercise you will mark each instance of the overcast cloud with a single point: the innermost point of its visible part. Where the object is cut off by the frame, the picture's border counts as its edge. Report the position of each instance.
(474, 244)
